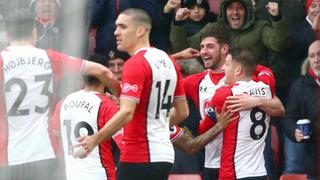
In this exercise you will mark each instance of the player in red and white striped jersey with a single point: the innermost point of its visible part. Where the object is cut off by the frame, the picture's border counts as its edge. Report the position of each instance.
(202, 86)
(84, 113)
(243, 139)
(29, 80)
(152, 99)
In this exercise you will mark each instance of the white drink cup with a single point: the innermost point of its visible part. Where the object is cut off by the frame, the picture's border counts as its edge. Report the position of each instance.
(304, 126)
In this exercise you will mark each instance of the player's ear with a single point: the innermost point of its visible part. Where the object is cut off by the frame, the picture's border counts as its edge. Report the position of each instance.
(225, 48)
(238, 70)
(141, 30)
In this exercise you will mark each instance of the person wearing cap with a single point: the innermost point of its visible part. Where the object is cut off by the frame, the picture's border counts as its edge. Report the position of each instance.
(115, 62)
(198, 10)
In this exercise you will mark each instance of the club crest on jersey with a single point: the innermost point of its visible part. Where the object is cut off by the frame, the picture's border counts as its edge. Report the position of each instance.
(206, 106)
(126, 87)
(173, 130)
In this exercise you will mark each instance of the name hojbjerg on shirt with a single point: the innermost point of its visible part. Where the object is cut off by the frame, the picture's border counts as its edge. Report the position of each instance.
(21, 61)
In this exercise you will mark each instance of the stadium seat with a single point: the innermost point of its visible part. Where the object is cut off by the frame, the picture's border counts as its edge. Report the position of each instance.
(293, 177)
(184, 177)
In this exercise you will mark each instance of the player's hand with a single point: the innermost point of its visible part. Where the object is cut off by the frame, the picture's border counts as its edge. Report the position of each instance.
(225, 117)
(242, 102)
(186, 54)
(316, 23)
(171, 5)
(298, 135)
(182, 14)
(88, 143)
(273, 8)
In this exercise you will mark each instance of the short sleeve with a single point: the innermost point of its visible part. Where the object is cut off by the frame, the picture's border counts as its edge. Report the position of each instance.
(133, 78)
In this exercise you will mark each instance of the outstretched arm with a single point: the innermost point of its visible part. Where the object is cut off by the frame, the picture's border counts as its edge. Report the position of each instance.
(191, 145)
(186, 54)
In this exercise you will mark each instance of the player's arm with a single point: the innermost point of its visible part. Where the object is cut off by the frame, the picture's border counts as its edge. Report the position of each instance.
(273, 107)
(103, 74)
(186, 54)
(191, 145)
(179, 111)
(122, 117)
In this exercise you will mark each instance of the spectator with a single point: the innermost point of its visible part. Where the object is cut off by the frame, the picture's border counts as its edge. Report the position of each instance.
(159, 36)
(115, 62)
(237, 19)
(303, 104)
(48, 23)
(103, 17)
(30, 80)
(198, 14)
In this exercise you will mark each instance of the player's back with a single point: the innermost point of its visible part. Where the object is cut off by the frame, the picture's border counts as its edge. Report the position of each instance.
(28, 87)
(243, 139)
(146, 136)
(81, 114)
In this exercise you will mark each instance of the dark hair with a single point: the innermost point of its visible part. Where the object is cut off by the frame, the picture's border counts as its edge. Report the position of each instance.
(92, 80)
(246, 58)
(217, 33)
(189, 3)
(139, 16)
(19, 24)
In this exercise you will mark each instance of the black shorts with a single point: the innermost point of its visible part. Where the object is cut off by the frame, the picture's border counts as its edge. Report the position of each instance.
(210, 174)
(50, 169)
(143, 171)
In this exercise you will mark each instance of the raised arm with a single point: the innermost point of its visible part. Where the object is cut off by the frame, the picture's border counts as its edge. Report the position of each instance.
(104, 75)
(186, 54)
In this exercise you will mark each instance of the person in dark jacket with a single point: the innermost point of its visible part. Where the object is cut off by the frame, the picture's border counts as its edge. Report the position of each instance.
(237, 19)
(103, 17)
(48, 23)
(303, 104)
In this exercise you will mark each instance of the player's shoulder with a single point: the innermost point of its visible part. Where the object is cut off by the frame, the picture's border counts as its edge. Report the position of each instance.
(195, 77)
(227, 87)
(262, 70)
(224, 91)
